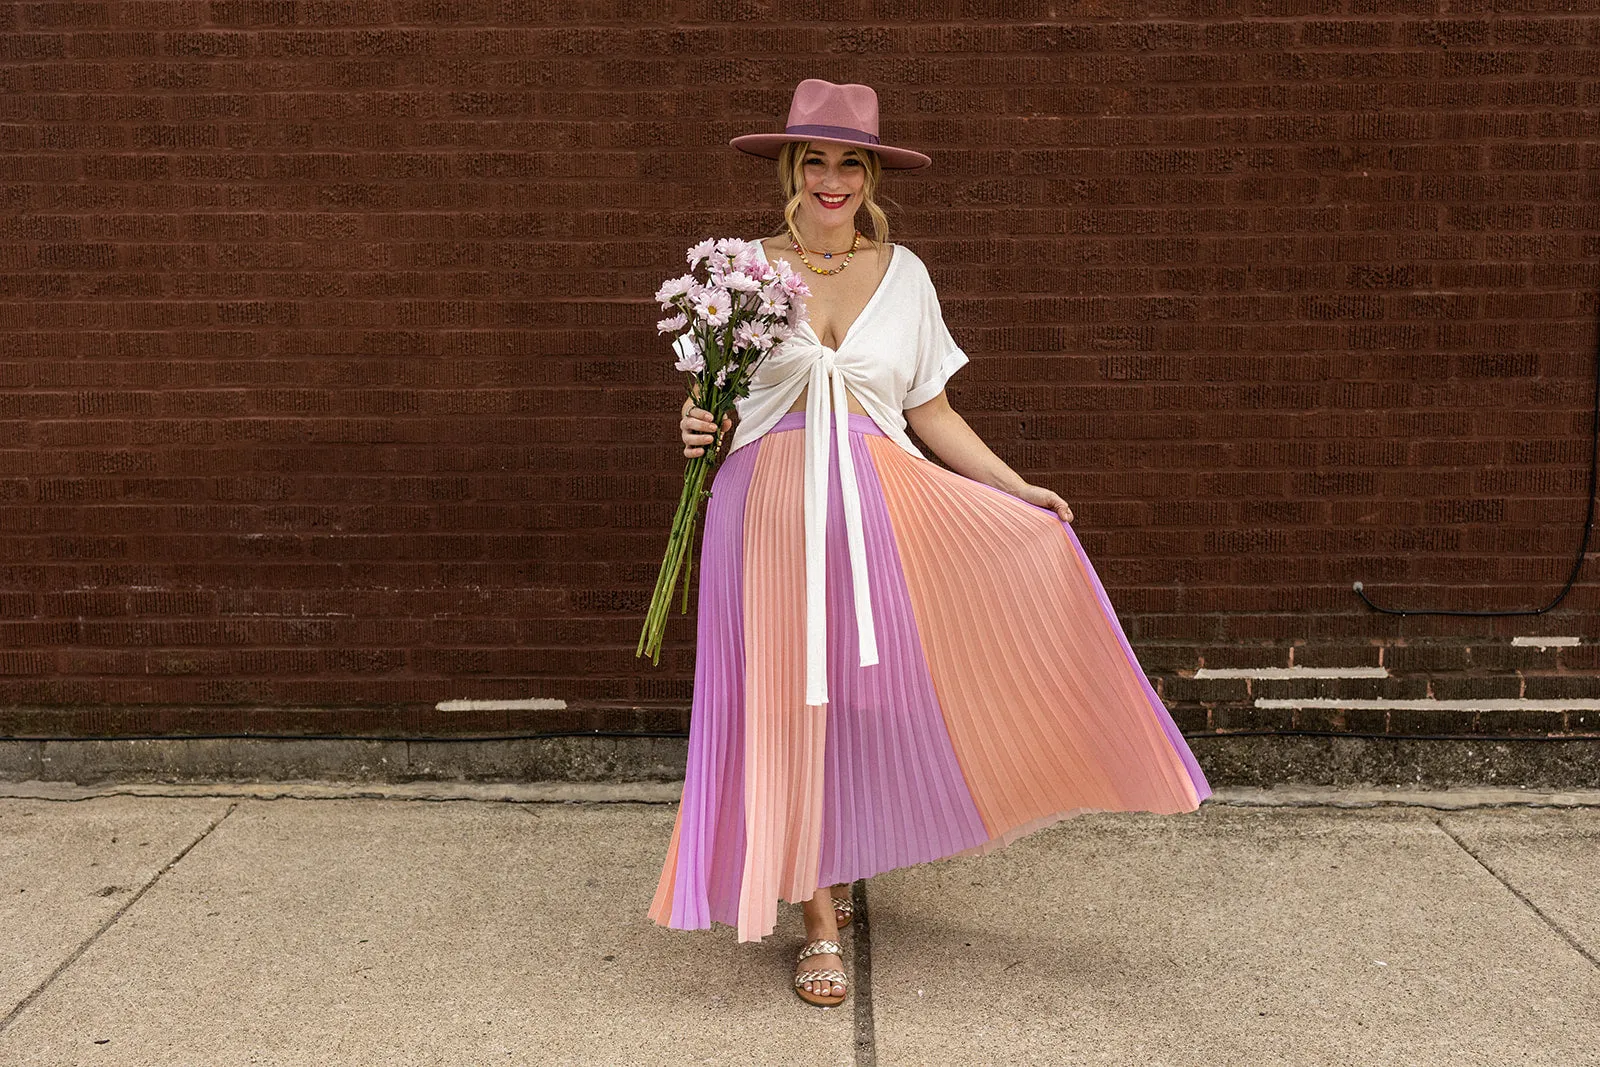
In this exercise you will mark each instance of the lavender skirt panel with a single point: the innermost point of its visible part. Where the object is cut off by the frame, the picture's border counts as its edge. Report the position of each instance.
(711, 838)
(895, 794)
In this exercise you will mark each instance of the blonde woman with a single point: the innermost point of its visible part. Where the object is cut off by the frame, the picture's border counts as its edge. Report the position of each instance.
(896, 662)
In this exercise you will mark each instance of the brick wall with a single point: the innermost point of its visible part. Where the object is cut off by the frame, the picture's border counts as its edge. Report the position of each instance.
(331, 388)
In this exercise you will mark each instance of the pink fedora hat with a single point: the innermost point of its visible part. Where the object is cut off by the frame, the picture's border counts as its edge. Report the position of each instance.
(843, 114)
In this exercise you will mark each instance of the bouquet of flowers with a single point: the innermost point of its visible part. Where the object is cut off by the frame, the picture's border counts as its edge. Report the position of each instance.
(742, 310)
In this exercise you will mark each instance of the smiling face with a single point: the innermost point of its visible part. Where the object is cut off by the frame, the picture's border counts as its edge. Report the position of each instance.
(810, 173)
(833, 177)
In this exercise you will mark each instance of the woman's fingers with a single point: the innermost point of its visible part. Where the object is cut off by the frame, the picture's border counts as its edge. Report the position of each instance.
(698, 421)
(702, 415)
(697, 429)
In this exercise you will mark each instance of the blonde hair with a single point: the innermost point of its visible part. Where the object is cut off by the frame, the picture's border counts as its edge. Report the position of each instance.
(791, 162)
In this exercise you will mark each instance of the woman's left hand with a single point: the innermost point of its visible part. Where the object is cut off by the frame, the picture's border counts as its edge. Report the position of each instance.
(1044, 498)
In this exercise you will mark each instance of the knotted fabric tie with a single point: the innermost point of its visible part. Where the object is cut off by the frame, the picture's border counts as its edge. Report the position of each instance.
(827, 378)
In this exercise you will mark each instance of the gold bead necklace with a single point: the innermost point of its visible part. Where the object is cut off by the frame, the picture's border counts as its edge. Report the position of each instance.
(794, 243)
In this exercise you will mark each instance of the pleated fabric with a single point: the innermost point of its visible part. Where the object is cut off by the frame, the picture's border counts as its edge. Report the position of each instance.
(1005, 697)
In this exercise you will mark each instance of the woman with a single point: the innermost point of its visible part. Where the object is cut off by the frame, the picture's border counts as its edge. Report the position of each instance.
(896, 662)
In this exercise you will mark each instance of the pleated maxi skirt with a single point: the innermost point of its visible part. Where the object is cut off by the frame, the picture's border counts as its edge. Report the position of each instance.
(1005, 699)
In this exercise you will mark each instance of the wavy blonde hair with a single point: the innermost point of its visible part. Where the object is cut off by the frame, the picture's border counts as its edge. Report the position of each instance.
(791, 163)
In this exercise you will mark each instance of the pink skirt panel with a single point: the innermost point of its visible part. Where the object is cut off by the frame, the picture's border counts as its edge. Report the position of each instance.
(1006, 696)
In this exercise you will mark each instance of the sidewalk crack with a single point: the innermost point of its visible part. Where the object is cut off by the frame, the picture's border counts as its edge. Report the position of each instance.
(111, 921)
(1548, 921)
(866, 1031)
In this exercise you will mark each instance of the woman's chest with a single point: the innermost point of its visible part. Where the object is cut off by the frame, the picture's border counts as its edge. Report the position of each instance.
(839, 299)
(877, 357)
(833, 312)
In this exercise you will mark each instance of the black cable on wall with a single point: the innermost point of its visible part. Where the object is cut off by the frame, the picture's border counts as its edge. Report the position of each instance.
(1583, 544)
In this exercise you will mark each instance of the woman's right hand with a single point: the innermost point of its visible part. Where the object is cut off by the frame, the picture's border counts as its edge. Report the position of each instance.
(697, 428)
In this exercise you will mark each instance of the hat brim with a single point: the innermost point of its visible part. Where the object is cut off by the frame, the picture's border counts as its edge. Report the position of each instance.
(766, 146)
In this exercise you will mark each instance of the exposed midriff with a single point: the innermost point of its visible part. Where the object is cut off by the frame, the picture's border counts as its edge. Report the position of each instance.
(850, 400)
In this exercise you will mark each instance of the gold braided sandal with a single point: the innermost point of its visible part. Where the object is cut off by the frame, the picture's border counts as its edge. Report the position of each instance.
(843, 911)
(821, 946)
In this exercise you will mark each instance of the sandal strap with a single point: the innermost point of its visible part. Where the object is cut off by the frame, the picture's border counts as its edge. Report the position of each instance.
(844, 905)
(819, 976)
(819, 947)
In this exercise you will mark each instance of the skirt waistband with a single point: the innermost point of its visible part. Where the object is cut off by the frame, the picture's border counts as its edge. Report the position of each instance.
(858, 423)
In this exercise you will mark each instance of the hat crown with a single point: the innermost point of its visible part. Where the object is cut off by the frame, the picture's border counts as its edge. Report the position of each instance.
(822, 110)
(848, 106)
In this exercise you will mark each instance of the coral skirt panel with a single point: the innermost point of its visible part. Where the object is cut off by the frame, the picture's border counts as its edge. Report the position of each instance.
(1005, 697)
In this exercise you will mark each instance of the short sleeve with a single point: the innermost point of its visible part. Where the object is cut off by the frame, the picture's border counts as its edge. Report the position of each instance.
(937, 356)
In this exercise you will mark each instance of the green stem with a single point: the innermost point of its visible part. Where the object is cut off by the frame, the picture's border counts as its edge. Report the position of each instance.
(679, 547)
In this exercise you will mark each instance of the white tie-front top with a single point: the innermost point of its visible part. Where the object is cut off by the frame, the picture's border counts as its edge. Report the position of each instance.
(896, 355)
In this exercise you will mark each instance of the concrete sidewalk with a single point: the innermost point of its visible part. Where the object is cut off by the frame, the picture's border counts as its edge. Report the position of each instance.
(321, 924)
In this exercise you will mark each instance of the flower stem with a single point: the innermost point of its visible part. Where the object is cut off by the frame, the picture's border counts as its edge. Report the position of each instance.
(680, 542)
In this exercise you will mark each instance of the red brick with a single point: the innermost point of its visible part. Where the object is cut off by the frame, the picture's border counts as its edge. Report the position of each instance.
(326, 364)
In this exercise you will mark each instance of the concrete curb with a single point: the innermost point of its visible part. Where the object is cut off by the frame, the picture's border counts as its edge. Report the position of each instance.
(668, 793)
(1550, 764)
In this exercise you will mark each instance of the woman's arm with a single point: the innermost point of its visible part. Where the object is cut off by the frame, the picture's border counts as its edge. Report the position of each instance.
(960, 447)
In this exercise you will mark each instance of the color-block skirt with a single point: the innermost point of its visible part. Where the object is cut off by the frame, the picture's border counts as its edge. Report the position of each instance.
(1005, 698)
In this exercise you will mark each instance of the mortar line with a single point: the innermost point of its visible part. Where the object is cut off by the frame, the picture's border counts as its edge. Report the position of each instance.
(866, 1029)
(115, 916)
(1548, 921)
